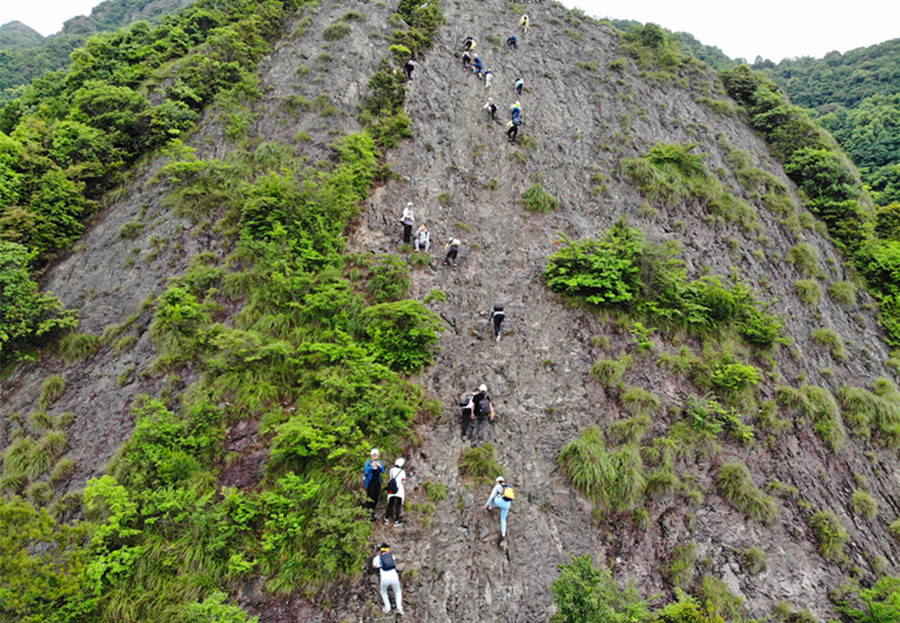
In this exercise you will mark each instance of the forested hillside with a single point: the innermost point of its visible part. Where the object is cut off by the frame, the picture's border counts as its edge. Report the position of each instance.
(208, 319)
(24, 57)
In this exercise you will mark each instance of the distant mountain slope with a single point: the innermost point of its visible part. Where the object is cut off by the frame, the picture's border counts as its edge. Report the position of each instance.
(17, 36)
(21, 63)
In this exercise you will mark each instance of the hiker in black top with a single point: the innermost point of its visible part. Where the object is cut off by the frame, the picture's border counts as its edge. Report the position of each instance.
(511, 131)
(511, 43)
(466, 416)
(466, 59)
(497, 316)
(452, 248)
(409, 67)
(482, 411)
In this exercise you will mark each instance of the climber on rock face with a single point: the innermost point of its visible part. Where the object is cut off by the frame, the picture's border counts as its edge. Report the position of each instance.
(409, 67)
(519, 84)
(491, 107)
(501, 497)
(511, 43)
(466, 59)
(512, 130)
(488, 78)
(468, 44)
(387, 566)
(452, 248)
(372, 472)
(407, 220)
(497, 317)
(477, 66)
(515, 113)
(482, 412)
(525, 23)
(395, 499)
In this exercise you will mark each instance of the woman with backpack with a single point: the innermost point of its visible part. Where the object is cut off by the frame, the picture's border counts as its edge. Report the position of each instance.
(387, 567)
(501, 496)
(396, 491)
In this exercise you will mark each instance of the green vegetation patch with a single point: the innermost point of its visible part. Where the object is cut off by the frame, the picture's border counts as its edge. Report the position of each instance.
(624, 271)
(818, 405)
(736, 485)
(537, 199)
(830, 534)
(671, 174)
(612, 479)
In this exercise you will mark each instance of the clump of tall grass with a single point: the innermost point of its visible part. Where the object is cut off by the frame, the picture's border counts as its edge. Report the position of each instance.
(819, 405)
(481, 463)
(639, 401)
(830, 534)
(611, 372)
(612, 479)
(735, 484)
(831, 339)
(864, 504)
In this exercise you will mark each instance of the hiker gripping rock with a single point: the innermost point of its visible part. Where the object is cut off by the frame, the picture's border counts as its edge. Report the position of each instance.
(525, 23)
(466, 418)
(520, 83)
(396, 491)
(477, 66)
(423, 238)
(511, 43)
(409, 67)
(468, 45)
(488, 78)
(386, 564)
(511, 131)
(482, 413)
(466, 59)
(491, 107)
(497, 317)
(502, 496)
(407, 220)
(452, 249)
(372, 472)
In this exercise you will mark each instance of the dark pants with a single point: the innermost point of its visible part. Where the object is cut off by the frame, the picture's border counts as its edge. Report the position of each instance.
(451, 256)
(497, 321)
(374, 493)
(464, 420)
(519, 89)
(511, 45)
(511, 133)
(407, 233)
(409, 71)
(478, 433)
(393, 505)
(493, 110)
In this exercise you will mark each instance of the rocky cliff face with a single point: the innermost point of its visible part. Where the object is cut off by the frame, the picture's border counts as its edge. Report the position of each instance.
(587, 106)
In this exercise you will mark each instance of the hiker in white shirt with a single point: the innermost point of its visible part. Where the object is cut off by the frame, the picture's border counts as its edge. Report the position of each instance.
(385, 563)
(395, 500)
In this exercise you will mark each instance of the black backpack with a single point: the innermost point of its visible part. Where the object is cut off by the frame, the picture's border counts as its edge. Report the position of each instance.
(483, 407)
(387, 562)
(392, 486)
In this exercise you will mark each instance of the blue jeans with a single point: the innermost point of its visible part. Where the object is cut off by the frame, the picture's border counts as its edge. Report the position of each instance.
(503, 505)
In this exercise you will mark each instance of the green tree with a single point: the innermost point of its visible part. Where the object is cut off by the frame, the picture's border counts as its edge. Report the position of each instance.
(585, 594)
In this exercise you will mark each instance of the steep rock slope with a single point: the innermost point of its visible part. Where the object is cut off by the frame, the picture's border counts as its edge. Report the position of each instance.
(587, 106)
(583, 122)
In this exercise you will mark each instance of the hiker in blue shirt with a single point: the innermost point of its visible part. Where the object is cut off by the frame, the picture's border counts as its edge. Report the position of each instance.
(511, 43)
(477, 66)
(372, 472)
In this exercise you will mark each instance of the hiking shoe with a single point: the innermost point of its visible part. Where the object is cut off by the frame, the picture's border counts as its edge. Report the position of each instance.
(385, 521)
(465, 438)
(398, 523)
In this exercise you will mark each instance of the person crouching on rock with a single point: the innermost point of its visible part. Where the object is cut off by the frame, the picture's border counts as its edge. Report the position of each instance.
(452, 248)
(511, 131)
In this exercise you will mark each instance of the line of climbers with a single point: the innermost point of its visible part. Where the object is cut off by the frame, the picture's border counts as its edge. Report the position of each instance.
(477, 408)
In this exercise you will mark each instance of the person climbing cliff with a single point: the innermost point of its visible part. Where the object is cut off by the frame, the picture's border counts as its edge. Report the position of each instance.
(525, 23)
(466, 60)
(512, 130)
(386, 564)
(488, 78)
(497, 317)
(515, 113)
(520, 83)
(407, 220)
(501, 497)
(477, 66)
(482, 412)
(465, 404)
(372, 472)
(511, 43)
(452, 248)
(468, 45)
(397, 478)
(423, 238)
(491, 107)
(409, 67)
